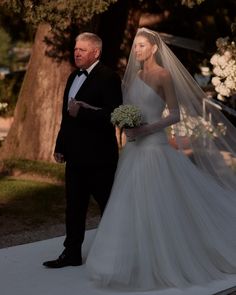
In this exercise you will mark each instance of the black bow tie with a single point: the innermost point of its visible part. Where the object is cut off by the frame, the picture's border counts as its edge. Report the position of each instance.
(81, 72)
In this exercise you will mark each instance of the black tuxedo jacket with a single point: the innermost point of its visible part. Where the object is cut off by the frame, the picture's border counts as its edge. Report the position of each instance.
(90, 137)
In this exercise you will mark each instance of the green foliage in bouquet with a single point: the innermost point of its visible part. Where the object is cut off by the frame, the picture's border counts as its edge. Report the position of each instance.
(126, 116)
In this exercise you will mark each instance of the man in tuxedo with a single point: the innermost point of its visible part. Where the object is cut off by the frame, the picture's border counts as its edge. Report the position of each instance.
(86, 141)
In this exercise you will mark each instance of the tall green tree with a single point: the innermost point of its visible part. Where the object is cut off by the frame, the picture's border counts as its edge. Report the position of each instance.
(37, 113)
(38, 110)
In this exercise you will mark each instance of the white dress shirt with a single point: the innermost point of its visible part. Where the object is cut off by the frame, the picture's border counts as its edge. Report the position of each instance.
(78, 81)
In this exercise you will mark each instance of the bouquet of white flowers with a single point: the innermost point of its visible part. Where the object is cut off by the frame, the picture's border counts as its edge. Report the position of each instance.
(126, 116)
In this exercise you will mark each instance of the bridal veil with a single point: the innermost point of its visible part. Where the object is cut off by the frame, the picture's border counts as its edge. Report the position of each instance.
(209, 135)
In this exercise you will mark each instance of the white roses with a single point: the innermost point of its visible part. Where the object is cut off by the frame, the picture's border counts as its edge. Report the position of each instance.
(224, 68)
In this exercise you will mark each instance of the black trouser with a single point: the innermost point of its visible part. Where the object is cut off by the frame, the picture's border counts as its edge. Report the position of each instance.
(82, 181)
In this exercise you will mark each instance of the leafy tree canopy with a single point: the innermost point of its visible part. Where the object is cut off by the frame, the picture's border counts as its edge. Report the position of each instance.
(65, 17)
(60, 14)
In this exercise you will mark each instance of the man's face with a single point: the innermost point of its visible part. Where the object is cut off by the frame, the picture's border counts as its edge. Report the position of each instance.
(85, 54)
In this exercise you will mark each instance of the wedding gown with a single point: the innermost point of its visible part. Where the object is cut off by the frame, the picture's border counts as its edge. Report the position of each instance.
(167, 224)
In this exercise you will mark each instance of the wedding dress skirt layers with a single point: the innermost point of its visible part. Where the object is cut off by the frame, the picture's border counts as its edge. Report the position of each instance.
(167, 224)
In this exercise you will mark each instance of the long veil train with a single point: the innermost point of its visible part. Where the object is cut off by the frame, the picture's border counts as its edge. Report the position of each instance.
(170, 221)
(208, 140)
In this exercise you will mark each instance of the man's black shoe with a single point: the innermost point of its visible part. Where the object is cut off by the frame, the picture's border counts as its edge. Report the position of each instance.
(62, 261)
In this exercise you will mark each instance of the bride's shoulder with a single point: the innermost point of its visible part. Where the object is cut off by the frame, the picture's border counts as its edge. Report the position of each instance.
(161, 72)
(162, 75)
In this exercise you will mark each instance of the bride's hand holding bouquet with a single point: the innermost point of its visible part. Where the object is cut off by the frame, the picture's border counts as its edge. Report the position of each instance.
(127, 118)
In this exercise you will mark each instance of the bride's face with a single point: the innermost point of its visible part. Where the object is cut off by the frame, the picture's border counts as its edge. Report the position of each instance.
(143, 49)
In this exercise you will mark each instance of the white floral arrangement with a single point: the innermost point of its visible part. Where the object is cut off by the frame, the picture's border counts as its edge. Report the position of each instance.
(126, 116)
(196, 127)
(211, 130)
(224, 68)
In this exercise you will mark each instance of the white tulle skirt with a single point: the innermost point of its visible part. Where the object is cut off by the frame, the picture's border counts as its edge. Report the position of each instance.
(167, 224)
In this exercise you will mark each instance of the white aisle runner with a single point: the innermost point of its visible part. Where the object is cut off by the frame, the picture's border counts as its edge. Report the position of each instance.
(22, 273)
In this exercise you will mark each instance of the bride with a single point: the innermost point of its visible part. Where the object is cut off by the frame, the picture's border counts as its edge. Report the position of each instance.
(171, 219)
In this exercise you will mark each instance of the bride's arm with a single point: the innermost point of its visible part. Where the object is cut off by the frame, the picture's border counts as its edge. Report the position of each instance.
(173, 108)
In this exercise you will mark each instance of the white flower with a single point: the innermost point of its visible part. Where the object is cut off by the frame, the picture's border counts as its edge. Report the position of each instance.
(224, 68)
(222, 61)
(229, 83)
(126, 116)
(218, 71)
(214, 59)
(3, 106)
(215, 81)
(197, 127)
(223, 90)
(227, 55)
(229, 71)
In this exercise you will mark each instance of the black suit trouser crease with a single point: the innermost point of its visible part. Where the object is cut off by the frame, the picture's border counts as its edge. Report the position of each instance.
(82, 182)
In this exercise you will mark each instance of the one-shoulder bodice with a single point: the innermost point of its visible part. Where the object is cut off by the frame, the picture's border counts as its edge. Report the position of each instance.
(174, 226)
(146, 99)
(151, 105)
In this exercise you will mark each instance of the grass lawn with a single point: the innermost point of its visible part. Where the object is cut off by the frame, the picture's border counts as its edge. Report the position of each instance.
(38, 168)
(33, 198)
(27, 204)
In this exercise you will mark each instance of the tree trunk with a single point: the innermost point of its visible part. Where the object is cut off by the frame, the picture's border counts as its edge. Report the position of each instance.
(124, 16)
(115, 17)
(38, 110)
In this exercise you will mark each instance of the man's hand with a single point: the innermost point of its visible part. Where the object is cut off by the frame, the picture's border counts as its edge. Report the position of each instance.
(87, 106)
(73, 107)
(59, 158)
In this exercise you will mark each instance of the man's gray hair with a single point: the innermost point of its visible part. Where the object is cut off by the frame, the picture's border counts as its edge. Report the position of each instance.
(93, 38)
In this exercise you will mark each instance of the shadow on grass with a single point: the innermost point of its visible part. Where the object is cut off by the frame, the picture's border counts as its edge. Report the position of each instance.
(26, 204)
(34, 203)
